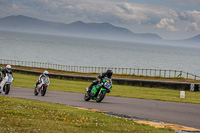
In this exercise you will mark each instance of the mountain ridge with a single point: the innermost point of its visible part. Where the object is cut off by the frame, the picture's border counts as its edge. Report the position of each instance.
(79, 28)
(195, 38)
(103, 30)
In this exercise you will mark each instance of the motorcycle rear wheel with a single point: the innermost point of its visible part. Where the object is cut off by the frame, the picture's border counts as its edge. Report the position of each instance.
(101, 96)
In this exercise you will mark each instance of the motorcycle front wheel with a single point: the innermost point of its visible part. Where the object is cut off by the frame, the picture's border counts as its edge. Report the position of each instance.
(43, 91)
(101, 96)
(86, 97)
(35, 91)
(6, 88)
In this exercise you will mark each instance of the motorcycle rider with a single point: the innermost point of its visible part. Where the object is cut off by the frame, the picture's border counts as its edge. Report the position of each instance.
(44, 74)
(4, 78)
(108, 74)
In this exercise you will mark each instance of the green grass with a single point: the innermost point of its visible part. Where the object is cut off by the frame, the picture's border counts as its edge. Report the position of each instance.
(25, 80)
(20, 115)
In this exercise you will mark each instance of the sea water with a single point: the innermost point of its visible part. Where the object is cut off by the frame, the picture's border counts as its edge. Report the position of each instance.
(97, 53)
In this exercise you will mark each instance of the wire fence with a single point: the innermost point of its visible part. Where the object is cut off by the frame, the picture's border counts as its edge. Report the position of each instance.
(86, 69)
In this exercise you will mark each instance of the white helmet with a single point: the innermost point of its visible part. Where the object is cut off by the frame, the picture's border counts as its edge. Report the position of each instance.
(45, 73)
(8, 68)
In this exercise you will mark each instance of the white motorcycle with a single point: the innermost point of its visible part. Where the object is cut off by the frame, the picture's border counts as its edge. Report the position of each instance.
(42, 87)
(9, 78)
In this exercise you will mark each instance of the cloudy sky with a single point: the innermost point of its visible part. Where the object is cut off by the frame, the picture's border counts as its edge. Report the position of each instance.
(170, 19)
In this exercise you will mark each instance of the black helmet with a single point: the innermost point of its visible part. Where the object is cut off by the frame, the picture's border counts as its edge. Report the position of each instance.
(109, 73)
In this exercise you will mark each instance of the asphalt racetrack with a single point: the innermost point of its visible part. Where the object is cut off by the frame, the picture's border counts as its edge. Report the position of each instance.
(184, 114)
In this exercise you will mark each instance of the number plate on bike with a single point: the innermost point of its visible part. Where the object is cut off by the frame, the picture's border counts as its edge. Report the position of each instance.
(107, 85)
(9, 80)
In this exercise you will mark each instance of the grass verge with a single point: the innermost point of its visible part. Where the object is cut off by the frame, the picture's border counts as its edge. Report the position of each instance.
(28, 81)
(20, 115)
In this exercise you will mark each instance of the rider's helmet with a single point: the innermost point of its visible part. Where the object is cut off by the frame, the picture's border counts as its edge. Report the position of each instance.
(109, 73)
(45, 73)
(8, 68)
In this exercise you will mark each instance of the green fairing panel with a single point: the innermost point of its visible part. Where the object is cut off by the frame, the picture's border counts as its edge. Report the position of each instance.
(94, 89)
(103, 89)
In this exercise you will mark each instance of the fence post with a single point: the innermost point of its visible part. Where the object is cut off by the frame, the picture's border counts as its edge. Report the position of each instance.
(160, 73)
(175, 73)
(180, 74)
(150, 72)
(146, 72)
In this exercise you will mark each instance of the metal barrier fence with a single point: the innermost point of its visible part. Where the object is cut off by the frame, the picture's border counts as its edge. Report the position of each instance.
(86, 69)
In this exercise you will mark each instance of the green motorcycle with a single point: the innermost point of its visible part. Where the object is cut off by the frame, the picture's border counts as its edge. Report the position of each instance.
(99, 91)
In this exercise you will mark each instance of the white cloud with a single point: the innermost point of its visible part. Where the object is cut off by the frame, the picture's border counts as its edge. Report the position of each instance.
(196, 26)
(167, 24)
(192, 18)
(193, 26)
(190, 15)
(15, 6)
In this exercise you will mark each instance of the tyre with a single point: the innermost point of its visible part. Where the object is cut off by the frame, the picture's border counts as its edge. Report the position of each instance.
(6, 88)
(35, 92)
(86, 97)
(43, 91)
(101, 96)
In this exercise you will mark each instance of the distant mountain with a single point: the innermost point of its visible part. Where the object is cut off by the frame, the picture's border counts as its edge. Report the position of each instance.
(194, 39)
(79, 28)
(190, 42)
(28, 24)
